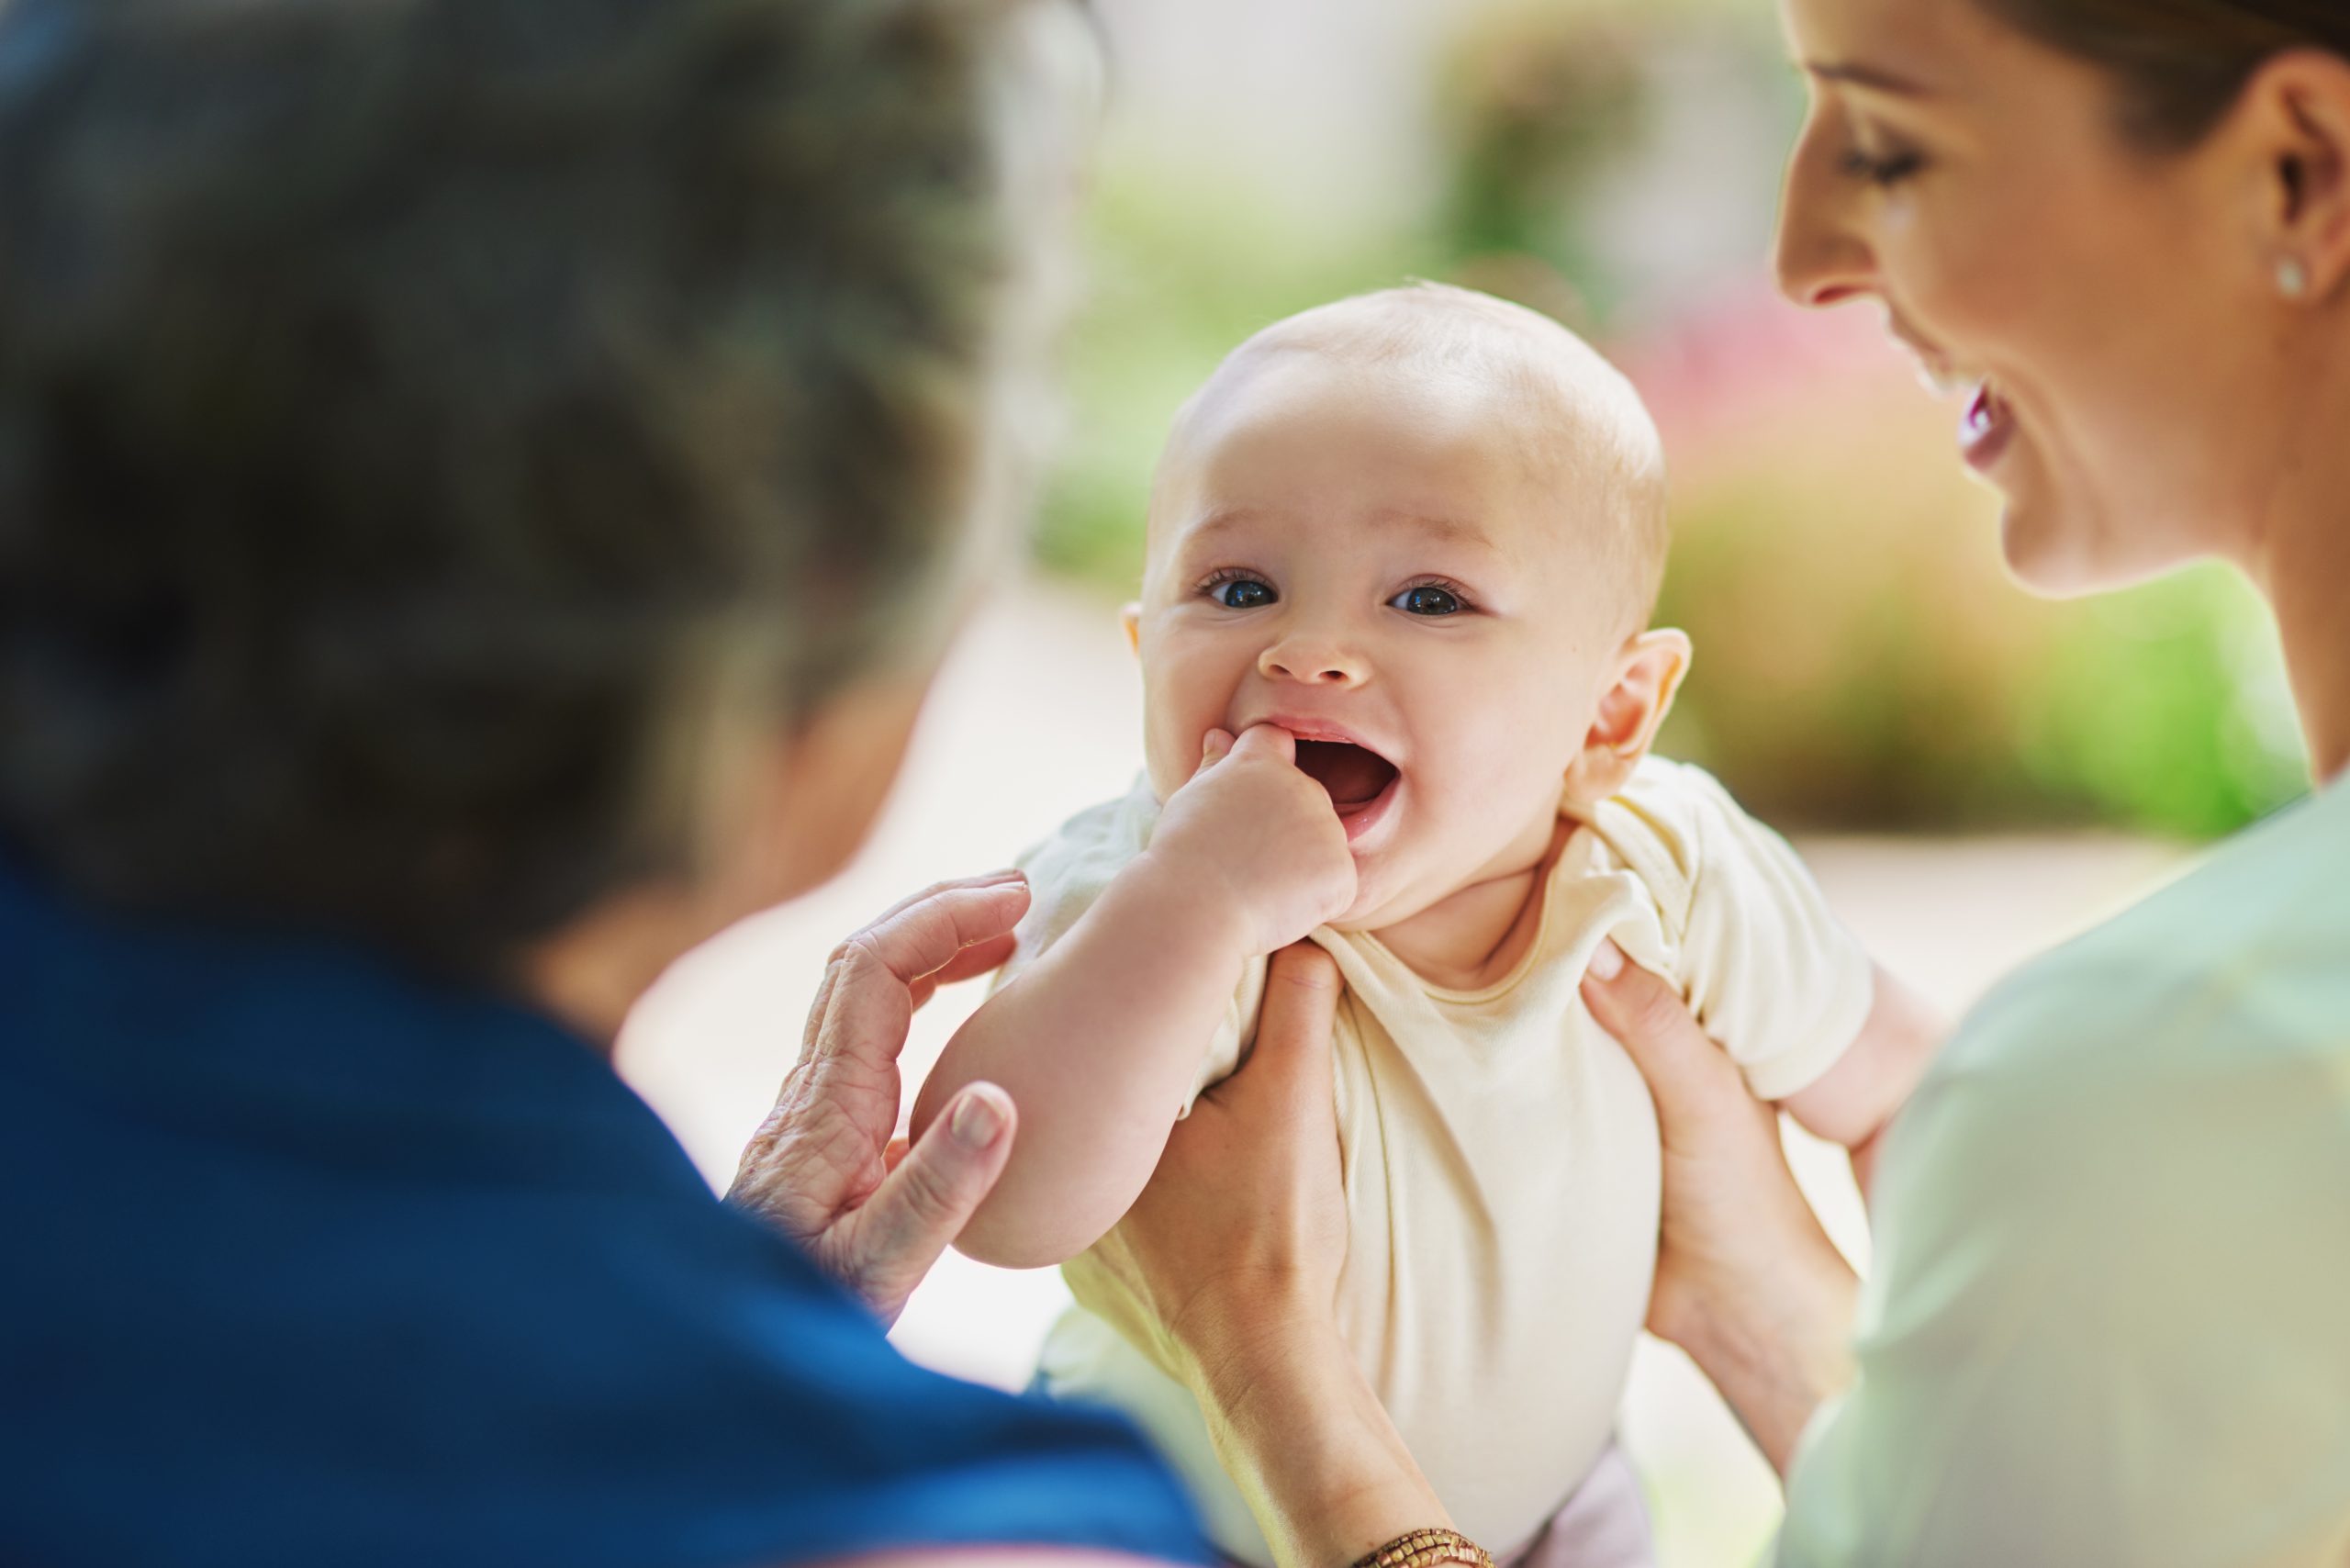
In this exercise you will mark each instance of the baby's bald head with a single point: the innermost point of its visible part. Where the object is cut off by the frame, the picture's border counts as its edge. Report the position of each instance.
(1569, 419)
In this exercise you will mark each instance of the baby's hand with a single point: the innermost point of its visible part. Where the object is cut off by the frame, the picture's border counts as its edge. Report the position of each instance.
(1258, 836)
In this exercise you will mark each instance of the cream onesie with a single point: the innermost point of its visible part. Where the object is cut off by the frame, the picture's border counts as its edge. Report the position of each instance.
(1500, 1150)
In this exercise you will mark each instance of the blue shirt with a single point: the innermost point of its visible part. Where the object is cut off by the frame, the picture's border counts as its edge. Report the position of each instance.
(311, 1262)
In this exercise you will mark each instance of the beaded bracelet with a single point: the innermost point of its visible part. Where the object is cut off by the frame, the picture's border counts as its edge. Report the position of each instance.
(1426, 1549)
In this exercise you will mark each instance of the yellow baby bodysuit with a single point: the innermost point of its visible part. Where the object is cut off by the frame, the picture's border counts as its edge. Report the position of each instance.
(1499, 1149)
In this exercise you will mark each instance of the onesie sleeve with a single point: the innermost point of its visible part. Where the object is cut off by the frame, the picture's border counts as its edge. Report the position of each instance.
(1069, 872)
(1768, 968)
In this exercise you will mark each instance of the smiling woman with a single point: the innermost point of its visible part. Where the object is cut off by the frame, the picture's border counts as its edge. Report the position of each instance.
(2095, 246)
(2105, 1220)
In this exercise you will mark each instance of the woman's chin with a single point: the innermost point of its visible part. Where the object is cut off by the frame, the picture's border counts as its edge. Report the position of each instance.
(2047, 553)
(2054, 555)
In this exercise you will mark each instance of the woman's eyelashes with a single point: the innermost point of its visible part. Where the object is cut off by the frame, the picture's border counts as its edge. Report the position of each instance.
(1885, 169)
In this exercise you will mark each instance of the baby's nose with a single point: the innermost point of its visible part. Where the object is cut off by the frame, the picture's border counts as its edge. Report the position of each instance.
(1313, 662)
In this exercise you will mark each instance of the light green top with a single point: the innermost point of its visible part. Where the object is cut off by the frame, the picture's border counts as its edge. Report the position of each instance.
(2109, 1317)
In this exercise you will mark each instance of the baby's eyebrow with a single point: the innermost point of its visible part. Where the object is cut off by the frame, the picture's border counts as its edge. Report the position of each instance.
(1445, 529)
(1222, 521)
(1449, 530)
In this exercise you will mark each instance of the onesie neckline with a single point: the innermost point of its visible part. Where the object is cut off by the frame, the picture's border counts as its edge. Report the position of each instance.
(1536, 950)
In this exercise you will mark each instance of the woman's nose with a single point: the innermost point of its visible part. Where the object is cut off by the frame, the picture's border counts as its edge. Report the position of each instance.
(1311, 659)
(1821, 259)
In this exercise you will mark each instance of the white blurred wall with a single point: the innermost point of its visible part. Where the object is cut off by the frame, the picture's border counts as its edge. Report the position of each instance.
(1319, 106)
(1326, 109)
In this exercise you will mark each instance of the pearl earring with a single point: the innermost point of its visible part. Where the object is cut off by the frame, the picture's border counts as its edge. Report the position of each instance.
(2293, 278)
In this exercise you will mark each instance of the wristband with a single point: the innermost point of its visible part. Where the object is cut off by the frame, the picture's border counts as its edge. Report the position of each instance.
(1426, 1549)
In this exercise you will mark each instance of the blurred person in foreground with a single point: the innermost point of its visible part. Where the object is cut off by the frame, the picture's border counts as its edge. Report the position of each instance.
(2106, 1319)
(483, 485)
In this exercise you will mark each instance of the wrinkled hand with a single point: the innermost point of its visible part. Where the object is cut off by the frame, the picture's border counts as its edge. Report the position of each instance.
(1263, 835)
(824, 1168)
(1747, 1280)
(1244, 1222)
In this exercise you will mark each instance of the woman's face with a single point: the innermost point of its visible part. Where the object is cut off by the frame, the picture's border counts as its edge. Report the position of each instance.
(2103, 309)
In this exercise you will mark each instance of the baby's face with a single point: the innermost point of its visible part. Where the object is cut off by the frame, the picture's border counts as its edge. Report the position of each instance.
(1369, 559)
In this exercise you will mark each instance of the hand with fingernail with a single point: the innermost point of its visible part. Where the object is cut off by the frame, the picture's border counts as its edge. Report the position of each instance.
(874, 1211)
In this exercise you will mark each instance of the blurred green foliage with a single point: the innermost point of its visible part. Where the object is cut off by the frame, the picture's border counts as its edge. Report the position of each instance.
(1179, 277)
(1532, 101)
(2164, 708)
(1863, 660)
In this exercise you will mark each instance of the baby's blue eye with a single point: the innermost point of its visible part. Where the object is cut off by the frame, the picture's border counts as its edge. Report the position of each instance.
(1426, 600)
(1242, 593)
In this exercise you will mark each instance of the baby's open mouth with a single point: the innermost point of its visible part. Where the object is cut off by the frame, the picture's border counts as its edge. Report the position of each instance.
(1353, 777)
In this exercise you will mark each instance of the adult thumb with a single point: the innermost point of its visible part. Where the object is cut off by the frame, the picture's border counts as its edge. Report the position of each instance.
(1301, 1007)
(1689, 1075)
(923, 1204)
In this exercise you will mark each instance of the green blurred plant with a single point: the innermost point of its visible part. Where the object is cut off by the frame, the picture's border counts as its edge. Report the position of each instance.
(1864, 660)
(1179, 277)
(2165, 707)
(1532, 101)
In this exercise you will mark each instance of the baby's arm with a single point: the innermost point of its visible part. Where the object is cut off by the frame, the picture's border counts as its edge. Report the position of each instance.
(1854, 1100)
(1100, 1040)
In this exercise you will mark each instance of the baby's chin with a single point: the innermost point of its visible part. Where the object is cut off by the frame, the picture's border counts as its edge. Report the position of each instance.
(1382, 898)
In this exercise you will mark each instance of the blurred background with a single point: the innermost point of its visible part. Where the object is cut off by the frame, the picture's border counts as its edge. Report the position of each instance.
(1973, 773)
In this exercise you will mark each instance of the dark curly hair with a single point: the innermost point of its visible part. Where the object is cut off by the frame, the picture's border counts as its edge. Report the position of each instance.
(419, 419)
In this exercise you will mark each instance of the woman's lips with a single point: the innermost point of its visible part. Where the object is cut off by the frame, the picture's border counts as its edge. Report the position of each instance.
(1986, 429)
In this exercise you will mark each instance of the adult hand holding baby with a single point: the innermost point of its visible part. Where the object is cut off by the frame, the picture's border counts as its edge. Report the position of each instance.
(1174, 1275)
(823, 1169)
(1225, 1272)
(1262, 836)
(1747, 1282)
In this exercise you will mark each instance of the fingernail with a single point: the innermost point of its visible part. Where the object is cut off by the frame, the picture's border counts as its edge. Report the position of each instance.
(1009, 874)
(977, 1120)
(1607, 961)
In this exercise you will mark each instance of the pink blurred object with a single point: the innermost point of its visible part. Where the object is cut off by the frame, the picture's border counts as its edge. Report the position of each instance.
(1735, 361)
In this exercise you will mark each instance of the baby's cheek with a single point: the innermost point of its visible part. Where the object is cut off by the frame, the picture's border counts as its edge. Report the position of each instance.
(1174, 738)
(1509, 784)
(1182, 703)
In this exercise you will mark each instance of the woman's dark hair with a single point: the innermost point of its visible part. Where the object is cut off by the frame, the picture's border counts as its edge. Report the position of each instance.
(2180, 63)
(420, 418)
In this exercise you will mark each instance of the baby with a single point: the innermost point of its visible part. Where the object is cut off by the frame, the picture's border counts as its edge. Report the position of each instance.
(1399, 692)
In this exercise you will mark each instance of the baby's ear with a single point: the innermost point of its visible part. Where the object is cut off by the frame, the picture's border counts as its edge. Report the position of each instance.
(1648, 671)
(1130, 616)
